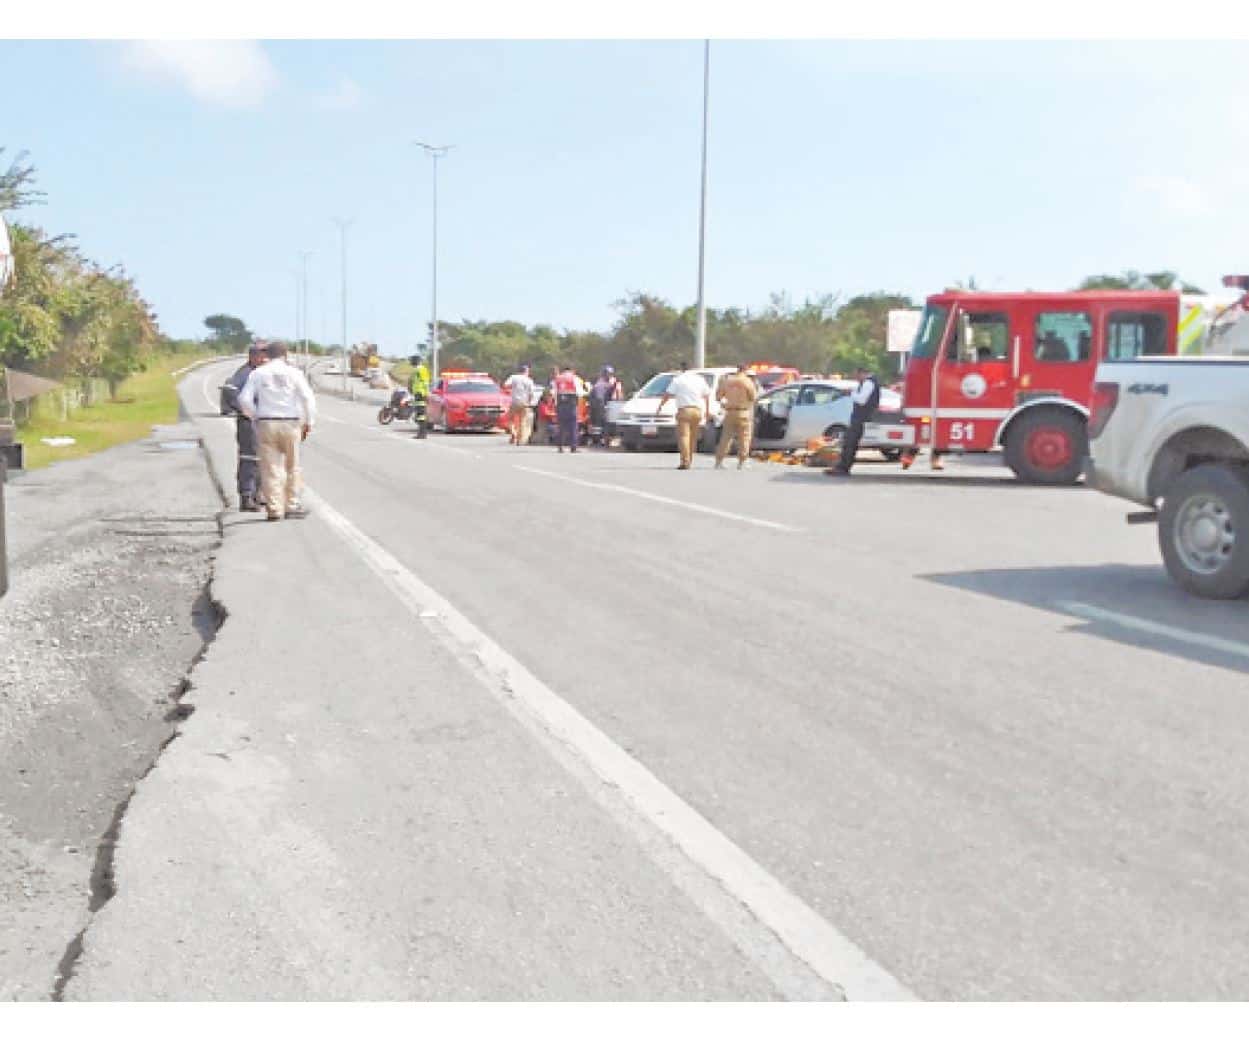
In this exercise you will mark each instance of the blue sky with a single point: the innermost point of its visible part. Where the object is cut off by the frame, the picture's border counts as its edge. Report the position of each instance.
(835, 167)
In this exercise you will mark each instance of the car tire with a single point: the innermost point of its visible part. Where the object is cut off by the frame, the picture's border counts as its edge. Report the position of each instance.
(1047, 446)
(1203, 531)
(708, 440)
(629, 445)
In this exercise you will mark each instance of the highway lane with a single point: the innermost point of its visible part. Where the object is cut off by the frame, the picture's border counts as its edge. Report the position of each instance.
(907, 699)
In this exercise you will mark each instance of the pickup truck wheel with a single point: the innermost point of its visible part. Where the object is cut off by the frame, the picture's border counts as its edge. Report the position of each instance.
(1047, 447)
(1203, 531)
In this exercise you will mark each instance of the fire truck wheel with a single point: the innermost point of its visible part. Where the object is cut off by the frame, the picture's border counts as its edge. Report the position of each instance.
(1203, 531)
(1047, 446)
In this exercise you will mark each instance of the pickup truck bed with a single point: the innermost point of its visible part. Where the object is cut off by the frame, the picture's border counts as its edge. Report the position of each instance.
(1173, 434)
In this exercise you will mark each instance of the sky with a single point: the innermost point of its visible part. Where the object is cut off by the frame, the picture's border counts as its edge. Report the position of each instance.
(834, 167)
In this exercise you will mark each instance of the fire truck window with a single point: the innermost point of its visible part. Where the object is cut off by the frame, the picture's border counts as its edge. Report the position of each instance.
(1063, 337)
(980, 337)
(1130, 334)
(931, 331)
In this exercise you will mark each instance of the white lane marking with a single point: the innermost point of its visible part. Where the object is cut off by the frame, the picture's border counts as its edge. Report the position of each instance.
(214, 405)
(693, 506)
(807, 935)
(1090, 613)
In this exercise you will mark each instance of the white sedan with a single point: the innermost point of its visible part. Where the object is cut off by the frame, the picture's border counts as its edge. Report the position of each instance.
(789, 416)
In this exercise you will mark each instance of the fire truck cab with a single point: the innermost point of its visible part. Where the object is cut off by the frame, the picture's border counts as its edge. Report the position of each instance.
(1015, 370)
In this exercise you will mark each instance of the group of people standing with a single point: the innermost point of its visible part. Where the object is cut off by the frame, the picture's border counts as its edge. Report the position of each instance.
(274, 410)
(568, 390)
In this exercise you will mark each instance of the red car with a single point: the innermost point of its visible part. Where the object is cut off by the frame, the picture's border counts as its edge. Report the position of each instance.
(467, 401)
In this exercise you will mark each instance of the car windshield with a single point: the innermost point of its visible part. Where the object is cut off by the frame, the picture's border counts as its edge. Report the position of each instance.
(770, 379)
(931, 331)
(658, 385)
(472, 386)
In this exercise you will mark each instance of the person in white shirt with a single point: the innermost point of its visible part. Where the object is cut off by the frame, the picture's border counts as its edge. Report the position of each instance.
(278, 397)
(866, 396)
(520, 416)
(693, 397)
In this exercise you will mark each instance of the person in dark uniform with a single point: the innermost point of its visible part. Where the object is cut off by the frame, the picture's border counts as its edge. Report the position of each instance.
(866, 397)
(245, 432)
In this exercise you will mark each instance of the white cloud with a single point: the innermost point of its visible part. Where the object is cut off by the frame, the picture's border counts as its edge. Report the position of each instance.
(348, 94)
(1177, 196)
(234, 73)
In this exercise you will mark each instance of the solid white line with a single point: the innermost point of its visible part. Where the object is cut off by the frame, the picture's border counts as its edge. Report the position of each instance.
(806, 934)
(214, 405)
(1090, 613)
(695, 507)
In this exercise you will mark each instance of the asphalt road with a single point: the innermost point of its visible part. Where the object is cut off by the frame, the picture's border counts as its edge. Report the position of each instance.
(497, 722)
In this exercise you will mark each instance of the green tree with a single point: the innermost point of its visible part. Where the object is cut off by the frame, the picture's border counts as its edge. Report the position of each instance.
(1131, 279)
(228, 332)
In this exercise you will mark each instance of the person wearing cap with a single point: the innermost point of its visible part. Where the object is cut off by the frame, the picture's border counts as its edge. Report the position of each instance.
(520, 415)
(737, 394)
(278, 397)
(606, 388)
(865, 397)
(248, 472)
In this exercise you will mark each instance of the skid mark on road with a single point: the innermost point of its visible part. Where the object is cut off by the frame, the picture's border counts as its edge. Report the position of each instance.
(620, 489)
(1154, 628)
(643, 799)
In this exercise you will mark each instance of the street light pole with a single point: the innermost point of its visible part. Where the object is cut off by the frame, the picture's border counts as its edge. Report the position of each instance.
(700, 337)
(435, 152)
(304, 296)
(343, 225)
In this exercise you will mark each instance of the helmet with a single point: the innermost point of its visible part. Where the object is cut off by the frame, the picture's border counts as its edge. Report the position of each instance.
(608, 370)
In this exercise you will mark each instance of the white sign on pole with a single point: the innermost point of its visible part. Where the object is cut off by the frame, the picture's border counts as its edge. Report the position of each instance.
(901, 330)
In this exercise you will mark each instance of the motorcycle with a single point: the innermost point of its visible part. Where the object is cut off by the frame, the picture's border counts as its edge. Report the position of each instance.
(403, 405)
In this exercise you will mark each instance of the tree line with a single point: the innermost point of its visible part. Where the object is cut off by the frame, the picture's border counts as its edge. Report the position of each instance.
(65, 315)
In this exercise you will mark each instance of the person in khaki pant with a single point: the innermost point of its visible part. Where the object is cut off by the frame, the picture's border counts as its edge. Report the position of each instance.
(737, 394)
(693, 397)
(278, 397)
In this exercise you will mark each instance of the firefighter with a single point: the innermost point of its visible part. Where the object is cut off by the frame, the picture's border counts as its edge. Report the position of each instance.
(866, 397)
(248, 473)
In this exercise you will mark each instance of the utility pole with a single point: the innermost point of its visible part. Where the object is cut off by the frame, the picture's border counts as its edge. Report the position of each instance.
(435, 152)
(304, 309)
(700, 336)
(343, 225)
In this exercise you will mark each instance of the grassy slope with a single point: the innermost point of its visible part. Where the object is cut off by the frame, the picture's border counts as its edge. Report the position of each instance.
(143, 401)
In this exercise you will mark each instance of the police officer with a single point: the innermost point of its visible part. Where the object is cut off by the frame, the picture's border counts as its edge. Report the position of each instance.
(865, 397)
(419, 381)
(248, 475)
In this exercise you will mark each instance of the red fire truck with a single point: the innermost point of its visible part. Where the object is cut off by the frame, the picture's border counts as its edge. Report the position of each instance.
(1015, 370)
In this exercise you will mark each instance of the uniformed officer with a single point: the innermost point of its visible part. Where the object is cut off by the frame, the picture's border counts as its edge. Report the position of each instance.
(865, 397)
(248, 474)
(737, 394)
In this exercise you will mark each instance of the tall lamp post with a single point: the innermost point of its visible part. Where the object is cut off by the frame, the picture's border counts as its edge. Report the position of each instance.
(700, 336)
(343, 225)
(435, 152)
(303, 312)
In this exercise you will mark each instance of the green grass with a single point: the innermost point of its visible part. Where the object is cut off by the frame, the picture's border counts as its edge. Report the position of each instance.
(143, 401)
(401, 372)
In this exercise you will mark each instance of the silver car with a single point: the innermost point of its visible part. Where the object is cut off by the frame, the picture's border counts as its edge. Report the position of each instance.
(789, 416)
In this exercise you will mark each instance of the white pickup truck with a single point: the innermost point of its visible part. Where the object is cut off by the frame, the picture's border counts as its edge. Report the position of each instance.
(1175, 431)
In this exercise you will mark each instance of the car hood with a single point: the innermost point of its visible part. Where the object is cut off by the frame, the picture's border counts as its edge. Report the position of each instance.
(477, 398)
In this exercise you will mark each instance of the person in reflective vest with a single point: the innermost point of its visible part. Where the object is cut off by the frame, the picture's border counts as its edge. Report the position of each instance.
(569, 389)
(248, 475)
(419, 382)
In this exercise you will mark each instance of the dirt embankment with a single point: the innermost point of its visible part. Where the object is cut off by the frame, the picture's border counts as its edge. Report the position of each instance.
(109, 562)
